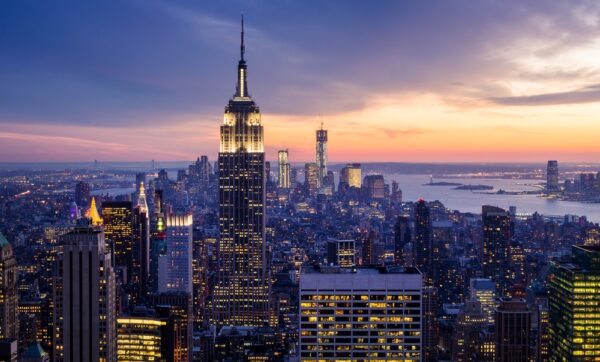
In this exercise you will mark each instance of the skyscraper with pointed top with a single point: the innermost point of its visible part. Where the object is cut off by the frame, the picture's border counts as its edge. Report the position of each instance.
(321, 154)
(241, 295)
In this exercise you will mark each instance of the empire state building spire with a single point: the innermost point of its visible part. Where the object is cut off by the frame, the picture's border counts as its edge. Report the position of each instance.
(242, 85)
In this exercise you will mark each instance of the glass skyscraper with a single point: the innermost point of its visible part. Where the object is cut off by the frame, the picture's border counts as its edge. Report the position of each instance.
(241, 294)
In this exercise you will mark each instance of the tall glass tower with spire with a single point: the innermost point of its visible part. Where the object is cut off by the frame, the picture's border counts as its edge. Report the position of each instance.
(241, 295)
(321, 154)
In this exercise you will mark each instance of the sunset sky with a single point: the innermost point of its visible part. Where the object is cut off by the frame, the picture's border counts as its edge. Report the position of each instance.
(406, 81)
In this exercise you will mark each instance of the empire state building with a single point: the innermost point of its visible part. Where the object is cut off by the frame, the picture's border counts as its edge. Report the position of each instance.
(241, 295)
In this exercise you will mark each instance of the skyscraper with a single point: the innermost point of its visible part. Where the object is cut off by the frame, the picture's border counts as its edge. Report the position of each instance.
(360, 314)
(496, 246)
(118, 231)
(350, 176)
(241, 294)
(423, 241)
(140, 338)
(402, 237)
(84, 298)
(470, 322)
(484, 291)
(311, 178)
(175, 267)
(552, 176)
(341, 253)
(9, 322)
(141, 244)
(82, 194)
(513, 331)
(574, 301)
(283, 180)
(321, 154)
(375, 186)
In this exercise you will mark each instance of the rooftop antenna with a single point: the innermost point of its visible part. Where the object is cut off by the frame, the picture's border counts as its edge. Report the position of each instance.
(242, 47)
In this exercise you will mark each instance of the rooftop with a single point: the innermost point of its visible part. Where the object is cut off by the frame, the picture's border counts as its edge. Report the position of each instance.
(360, 270)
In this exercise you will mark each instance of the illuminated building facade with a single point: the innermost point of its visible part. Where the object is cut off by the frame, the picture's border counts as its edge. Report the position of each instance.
(321, 154)
(241, 294)
(84, 298)
(484, 291)
(284, 181)
(513, 331)
(139, 339)
(118, 230)
(176, 308)
(311, 178)
(341, 253)
(574, 301)
(175, 267)
(9, 322)
(351, 176)
(496, 246)
(360, 314)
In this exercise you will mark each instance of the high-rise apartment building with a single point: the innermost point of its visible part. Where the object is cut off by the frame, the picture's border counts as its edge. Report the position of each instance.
(574, 301)
(283, 180)
(241, 294)
(423, 248)
(496, 246)
(470, 323)
(360, 314)
(321, 153)
(552, 176)
(84, 298)
(513, 331)
(118, 231)
(175, 267)
(484, 291)
(9, 322)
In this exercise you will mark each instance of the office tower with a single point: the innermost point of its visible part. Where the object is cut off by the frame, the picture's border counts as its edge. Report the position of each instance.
(177, 309)
(84, 298)
(496, 246)
(424, 241)
(140, 274)
(9, 322)
(369, 248)
(360, 314)
(93, 215)
(311, 178)
(484, 291)
(175, 267)
(241, 294)
(431, 327)
(140, 179)
(82, 194)
(574, 301)
(513, 331)
(470, 323)
(140, 338)
(552, 176)
(375, 186)
(8, 350)
(283, 181)
(402, 237)
(341, 253)
(118, 231)
(350, 176)
(321, 154)
(200, 283)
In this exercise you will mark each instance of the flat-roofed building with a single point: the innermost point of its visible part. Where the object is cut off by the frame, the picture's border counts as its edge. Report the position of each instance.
(360, 314)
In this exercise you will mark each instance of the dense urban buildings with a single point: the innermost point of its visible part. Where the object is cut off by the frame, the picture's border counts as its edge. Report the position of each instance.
(361, 314)
(241, 295)
(225, 259)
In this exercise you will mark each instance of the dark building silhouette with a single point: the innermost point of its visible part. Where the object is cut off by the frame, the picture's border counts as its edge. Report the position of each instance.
(402, 237)
(513, 331)
(552, 176)
(82, 194)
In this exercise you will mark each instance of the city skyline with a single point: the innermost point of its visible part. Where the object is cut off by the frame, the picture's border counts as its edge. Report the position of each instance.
(518, 83)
